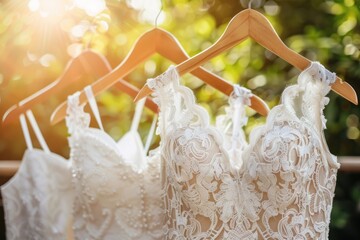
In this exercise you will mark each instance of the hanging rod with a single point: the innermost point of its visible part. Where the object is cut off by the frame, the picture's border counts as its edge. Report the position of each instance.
(347, 164)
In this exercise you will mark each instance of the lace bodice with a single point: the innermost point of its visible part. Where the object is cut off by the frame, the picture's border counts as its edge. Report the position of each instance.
(118, 195)
(199, 176)
(38, 198)
(281, 186)
(288, 165)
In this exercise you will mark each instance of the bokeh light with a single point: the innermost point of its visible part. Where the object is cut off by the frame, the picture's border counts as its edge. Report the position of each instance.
(91, 7)
(39, 37)
(149, 10)
(53, 8)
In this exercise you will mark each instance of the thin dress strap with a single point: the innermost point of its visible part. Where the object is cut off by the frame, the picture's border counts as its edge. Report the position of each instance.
(93, 105)
(239, 98)
(26, 133)
(37, 131)
(151, 134)
(138, 110)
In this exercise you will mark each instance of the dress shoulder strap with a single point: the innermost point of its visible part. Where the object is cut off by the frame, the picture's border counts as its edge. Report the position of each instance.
(94, 108)
(151, 134)
(25, 131)
(36, 129)
(138, 111)
(176, 102)
(76, 118)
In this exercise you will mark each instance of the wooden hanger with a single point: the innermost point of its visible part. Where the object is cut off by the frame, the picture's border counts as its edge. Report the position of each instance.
(87, 62)
(252, 24)
(164, 43)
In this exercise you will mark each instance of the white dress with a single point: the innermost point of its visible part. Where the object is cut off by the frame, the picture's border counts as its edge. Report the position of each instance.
(118, 191)
(280, 187)
(38, 198)
(199, 169)
(290, 174)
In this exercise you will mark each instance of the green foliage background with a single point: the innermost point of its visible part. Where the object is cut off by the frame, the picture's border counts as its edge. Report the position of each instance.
(326, 31)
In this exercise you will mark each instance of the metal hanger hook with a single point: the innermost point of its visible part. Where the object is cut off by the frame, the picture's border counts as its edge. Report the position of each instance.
(250, 2)
(92, 32)
(158, 15)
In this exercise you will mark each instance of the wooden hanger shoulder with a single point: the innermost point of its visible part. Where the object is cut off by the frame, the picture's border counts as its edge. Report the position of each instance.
(250, 23)
(151, 42)
(86, 62)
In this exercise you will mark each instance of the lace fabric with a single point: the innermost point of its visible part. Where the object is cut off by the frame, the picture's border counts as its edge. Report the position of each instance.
(38, 198)
(289, 166)
(199, 182)
(280, 186)
(232, 122)
(115, 197)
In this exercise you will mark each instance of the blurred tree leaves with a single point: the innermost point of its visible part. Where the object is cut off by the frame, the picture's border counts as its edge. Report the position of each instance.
(34, 51)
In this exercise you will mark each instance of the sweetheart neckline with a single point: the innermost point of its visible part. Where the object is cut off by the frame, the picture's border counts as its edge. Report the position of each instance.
(78, 122)
(112, 144)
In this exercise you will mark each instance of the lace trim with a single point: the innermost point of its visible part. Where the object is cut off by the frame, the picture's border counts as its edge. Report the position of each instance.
(319, 72)
(76, 118)
(313, 85)
(232, 122)
(163, 79)
(179, 102)
(238, 99)
(240, 95)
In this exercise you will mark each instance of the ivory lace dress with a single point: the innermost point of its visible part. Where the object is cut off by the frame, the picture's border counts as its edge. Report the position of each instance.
(280, 186)
(118, 191)
(199, 165)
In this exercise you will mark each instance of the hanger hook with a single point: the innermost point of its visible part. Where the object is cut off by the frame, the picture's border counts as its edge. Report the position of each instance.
(92, 32)
(157, 16)
(250, 2)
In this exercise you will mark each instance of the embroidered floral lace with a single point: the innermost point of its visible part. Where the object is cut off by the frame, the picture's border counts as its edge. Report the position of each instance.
(289, 171)
(199, 175)
(280, 186)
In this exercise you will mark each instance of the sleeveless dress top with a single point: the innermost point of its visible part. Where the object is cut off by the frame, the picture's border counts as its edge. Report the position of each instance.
(199, 161)
(280, 186)
(118, 191)
(290, 175)
(38, 198)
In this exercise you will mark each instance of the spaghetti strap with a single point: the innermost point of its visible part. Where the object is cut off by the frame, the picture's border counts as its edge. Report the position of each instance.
(26, 133)
(239, 98)
(37, 131)
(136, 119)
(93, 105)
(150, 135)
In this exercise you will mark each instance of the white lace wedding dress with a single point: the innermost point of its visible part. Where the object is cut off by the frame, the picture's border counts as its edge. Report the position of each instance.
(38, 198)
(281, 187)
(199, 173)
(118, 190)
(289, 174)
